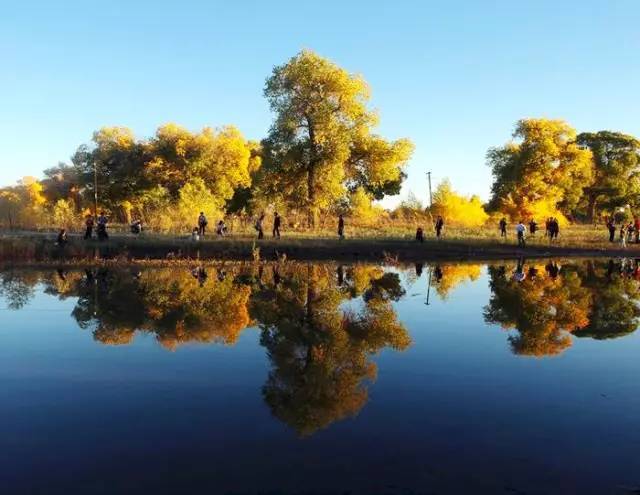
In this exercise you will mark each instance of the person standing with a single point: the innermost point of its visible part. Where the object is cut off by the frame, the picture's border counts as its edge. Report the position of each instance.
(419, 234)
(221, 228)
(612, 229)
(636, 228)
(202, 224)
(62, 238)
(554, 228)
(259, 226)
(623, 236)
(520, 232)
(276, 225)
(533, 226)
(340, 227)
(102, 227)
(439, 226)
(503, 227)
(88, 233)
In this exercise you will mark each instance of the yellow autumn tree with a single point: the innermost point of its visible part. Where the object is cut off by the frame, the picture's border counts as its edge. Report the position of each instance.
(361, 207)
(457, 209)
(541, 172)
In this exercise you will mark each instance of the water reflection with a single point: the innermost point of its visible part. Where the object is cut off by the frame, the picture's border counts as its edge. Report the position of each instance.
(321, 324)
(546, 302)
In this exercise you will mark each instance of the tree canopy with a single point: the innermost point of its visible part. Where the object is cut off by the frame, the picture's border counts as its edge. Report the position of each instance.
(615, 180)
(542, 169)
(321, 143)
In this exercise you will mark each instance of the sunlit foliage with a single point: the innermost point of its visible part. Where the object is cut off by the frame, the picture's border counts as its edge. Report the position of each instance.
(544, 164)
(321, 145)
(457, 209)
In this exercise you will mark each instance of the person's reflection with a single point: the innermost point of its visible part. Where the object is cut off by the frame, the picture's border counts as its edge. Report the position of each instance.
(419, 267)
(200, 274)
(552, 269)
(519, 274)
(437, 273)
(276, 276)
(340, 272)
(611, 266)
(61, 274)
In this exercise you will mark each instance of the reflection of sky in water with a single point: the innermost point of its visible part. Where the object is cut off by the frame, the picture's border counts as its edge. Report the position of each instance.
(457, 411)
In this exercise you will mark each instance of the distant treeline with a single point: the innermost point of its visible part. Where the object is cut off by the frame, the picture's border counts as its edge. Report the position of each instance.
(320, 158)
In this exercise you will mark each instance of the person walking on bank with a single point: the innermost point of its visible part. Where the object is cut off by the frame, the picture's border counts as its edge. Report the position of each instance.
(62, 238)
(259, 226)
(89, 227)
(276, 225)
(533, 227)
(554, 228)
(503, 227)
(439, 226)
(520, 232)
(340, 227)
(612, 229)
(202, 224)
(623, 236)
(419, 234)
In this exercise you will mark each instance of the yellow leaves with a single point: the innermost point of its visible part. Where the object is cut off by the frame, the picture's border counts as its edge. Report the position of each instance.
(195, 197)
(221, 158)
(544, 165)
(116, 137)
(362, 210)
(537, 210)
(450, 276)
(457, 209)
(63, 214)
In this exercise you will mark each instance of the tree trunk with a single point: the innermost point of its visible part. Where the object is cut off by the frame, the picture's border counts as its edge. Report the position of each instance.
(311, 197)
(591, 208)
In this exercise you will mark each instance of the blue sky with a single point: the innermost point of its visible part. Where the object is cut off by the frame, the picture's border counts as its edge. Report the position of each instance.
(453, 76)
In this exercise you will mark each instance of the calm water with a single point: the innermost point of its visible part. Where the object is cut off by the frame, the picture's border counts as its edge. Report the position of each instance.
(322, 378)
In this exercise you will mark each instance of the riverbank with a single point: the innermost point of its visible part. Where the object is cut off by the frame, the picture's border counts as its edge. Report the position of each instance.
(25, 248)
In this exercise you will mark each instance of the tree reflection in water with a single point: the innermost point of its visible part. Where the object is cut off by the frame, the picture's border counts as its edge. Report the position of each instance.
(322, 323)
(546, 302)
(320, 351)
(320, 345)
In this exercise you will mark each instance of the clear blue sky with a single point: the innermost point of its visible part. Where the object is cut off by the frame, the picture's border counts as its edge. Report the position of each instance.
(453, 76)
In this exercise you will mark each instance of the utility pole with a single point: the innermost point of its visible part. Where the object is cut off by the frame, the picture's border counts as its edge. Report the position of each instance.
(430, 196)
(95, 190)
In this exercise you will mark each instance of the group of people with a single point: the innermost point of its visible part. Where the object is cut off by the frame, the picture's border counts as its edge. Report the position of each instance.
(100, 225)
(438, 226)
(552, 229)
(627, 231)
(200, 230)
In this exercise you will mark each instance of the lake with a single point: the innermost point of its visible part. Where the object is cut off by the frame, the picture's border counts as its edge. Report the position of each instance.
(514, 377)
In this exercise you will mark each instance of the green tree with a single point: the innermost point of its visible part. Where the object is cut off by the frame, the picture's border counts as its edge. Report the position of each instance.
(63, 182)
(320, 144)
(616, 178)
(119, 162)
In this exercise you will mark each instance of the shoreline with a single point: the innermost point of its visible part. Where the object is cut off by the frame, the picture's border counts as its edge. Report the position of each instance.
(35, 248)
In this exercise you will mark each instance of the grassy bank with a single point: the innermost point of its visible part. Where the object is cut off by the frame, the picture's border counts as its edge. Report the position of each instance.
(26, 247)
